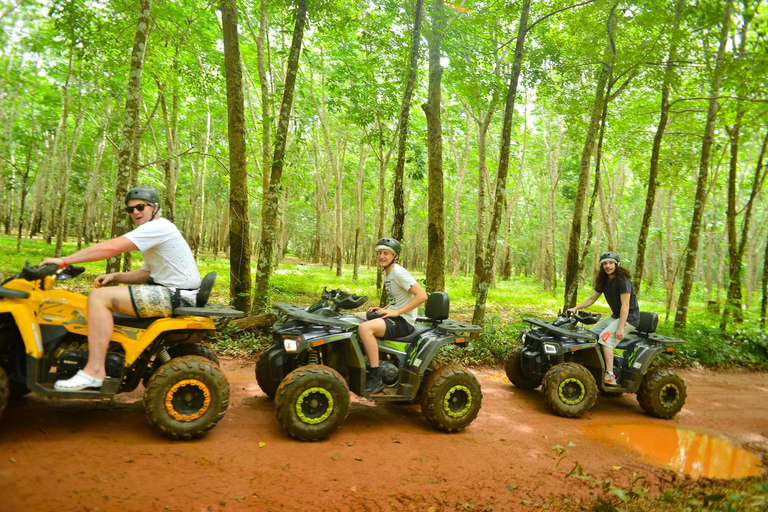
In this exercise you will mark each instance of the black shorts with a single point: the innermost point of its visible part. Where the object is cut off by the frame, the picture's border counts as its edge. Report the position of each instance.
(395, 327)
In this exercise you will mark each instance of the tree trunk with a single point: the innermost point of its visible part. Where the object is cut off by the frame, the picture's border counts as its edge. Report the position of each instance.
(573, 265)
(653, 172)
(270, 218)
(681, 315)
(240, 225)
(478, 316)
(461, 170)
(398, 222)
(359, 204)
(435, 279)
(130, 129)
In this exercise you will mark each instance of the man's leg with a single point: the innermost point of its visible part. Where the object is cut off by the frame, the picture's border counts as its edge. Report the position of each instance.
(368, 332)
(101, 303)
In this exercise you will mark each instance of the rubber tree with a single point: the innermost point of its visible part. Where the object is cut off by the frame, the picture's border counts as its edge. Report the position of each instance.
(239, 225)
(478, 316)
(130, 130)
(271, 201)
(694, 237)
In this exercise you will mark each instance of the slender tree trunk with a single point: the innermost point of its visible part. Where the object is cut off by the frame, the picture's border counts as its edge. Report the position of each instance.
(435, 279)
(461, 170)
(478, 316)
(573, 266)
(130, 129)
(650, 196)
(681, 315)
(359, 205)
(398, 222)
(269, 221)
(240, 225)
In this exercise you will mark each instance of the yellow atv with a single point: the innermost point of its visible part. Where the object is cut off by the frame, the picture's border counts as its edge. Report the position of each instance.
(43, 338)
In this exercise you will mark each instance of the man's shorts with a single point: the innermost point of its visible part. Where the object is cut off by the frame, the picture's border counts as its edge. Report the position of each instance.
(606, 329)
(394, 327)
(154, 301)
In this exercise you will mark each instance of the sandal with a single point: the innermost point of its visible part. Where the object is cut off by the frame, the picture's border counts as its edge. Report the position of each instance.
(80, 381)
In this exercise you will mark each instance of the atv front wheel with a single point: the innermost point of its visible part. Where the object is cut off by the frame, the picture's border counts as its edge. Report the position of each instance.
(451, 398)
(662, 393)
(186, 397)
(514, 370)
(263, 376)
(180, 350)
(570, 389)
(311, 402)
(5, 390)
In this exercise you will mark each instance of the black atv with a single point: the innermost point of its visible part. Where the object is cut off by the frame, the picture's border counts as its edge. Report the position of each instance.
(316, 359)
(566, 360)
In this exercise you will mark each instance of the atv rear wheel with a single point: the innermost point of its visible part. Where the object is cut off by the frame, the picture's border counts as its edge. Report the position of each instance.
(5, 390)
(312, 402)
(662, 393)
(264, 377)
(514, 370)
(183, 349)
(570, 389)
(451, 398)
(186, 397)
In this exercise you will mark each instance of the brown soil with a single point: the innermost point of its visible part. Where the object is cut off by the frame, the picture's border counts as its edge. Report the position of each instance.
(78, 455)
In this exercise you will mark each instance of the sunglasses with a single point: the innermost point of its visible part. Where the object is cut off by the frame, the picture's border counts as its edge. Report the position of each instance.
(140, 207)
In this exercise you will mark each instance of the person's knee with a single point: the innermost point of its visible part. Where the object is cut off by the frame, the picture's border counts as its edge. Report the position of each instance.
(104, 298)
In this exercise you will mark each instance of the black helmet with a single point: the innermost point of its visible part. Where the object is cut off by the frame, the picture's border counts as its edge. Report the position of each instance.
(146, 194)
(610, 256)
(389, 243)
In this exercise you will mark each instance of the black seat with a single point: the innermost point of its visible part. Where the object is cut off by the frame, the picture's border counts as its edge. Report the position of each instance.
(132, 321)
(648, 322)
(206, 287)
(436, 310)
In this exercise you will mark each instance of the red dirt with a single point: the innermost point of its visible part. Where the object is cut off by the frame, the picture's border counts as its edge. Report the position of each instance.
(79, 455)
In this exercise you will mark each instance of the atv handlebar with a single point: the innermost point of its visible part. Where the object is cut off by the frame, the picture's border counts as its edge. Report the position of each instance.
(31, 273)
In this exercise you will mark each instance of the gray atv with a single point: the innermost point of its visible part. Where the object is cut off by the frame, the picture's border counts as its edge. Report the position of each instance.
(316, 359)
(565, 359)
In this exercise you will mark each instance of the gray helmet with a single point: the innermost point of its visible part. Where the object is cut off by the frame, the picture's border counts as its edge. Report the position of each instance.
(146, 194)
(389, 243)
(610, 256)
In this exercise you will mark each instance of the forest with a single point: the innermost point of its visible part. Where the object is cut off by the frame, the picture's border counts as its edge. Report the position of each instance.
(494, 139)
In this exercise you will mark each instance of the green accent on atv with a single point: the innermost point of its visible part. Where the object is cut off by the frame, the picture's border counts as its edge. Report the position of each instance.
(571, 391)
(457, 401)
(632, 356)
(394, 345)
(619, 352)
(314, 405)
(669, 396)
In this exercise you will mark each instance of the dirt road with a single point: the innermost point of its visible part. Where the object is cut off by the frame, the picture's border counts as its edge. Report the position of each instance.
(78, 455)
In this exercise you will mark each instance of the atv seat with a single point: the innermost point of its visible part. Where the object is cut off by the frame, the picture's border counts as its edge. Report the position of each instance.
(206, 287)
(648, 322)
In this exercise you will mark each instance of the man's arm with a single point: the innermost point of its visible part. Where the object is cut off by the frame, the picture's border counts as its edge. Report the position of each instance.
(623, 314)
(588, 302)
(96, 252)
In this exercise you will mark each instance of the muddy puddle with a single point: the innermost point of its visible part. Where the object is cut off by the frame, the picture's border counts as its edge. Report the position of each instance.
(681, 450)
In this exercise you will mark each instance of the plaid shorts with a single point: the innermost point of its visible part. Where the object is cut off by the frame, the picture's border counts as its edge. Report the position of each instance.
(154, 301)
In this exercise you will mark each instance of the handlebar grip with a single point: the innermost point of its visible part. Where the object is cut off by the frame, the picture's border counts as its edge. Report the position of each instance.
(34, 273)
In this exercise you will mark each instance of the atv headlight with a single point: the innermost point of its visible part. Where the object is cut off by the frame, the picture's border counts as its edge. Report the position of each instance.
(550, 349)
(290, 344)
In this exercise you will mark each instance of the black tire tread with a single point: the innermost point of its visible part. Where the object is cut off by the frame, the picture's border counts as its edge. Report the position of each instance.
(556, 375)
(513, 369)
(431, 398)
(176, 369)
(648, 393)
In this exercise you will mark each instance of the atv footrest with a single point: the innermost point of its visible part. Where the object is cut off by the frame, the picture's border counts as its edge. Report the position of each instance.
(108, 389)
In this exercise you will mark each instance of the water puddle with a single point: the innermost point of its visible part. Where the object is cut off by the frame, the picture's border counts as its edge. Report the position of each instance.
(684, 451)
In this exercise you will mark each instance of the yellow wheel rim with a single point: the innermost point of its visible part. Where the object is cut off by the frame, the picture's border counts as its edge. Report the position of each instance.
(188, 400)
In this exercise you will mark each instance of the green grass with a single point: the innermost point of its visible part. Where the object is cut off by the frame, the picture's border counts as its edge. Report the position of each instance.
(300, 283)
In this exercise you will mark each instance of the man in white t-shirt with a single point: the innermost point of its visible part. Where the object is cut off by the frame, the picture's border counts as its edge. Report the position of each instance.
(398, 318)
(169, 265)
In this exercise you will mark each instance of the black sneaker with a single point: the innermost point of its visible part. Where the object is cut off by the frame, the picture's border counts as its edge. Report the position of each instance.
(373, 382)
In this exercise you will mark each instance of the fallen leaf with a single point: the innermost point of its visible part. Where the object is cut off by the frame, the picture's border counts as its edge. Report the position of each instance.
(262, 445)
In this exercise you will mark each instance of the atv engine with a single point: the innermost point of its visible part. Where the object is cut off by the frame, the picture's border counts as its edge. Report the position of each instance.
(70, 361)
(389, 372)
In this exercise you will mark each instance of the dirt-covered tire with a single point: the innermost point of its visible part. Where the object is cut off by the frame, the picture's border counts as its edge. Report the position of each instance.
(662, 393)
(186, 397)
(569, 389)
(312, 402)
(181, 350)
(263, 376)
(514, 370)
(5, 390)
(451, 398)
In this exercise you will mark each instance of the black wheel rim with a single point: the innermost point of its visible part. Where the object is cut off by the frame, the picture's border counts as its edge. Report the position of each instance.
(314, 405)
(188, 400)
(571, 391)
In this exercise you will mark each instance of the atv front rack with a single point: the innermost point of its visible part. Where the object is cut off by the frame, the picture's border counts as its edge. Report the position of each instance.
(299, 313)
(579, 335)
